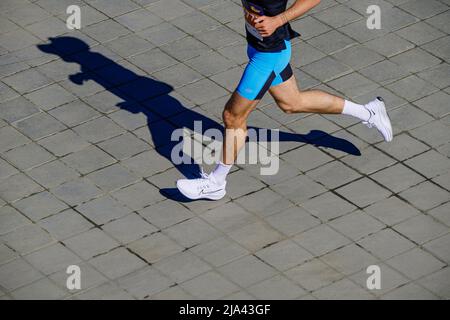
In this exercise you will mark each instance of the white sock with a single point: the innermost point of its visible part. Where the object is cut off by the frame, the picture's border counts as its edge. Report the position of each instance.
(356, 110)
(221, 171)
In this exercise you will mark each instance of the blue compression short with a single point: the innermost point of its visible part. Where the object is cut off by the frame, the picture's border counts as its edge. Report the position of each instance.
(264, 70)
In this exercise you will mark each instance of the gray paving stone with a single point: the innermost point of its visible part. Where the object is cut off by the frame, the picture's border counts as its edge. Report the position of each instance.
(6, 254)
(17, 109)
(40, 205)
(441, 213)
(410, 291)
(162, 34)
(228, 217)
(28, 156)
(397, 178)
(386, 244)
(277, 287)
(390, 280)
(117, 263)
(26, 81)
(76, 191)
(293, 221)
(326, 69)
(408, 117)
(313, 274)
(415, 60)
(129, 228)
(219, 251)
(90, 278)
(331, 41)
(200, 287)
(64, 142)
(98, 129)
(440, 247)
(103, 210)
(106, 30)
(155, 247)
(53, 174)
(421, 229)
(434, 133)
(439, 48)
(363, 192)
(403, 147)
(247, 184)
(112, 177)
(6, 169)
(210, 63)
(191, 232)
(153, 60)
(182, 266)
(349, 259)
(389, 45)
(138, 20)
(356, 225)
(384, 72)
(299, 189)
(74, 113)
(437, 283)
(419, 9)
(170, 9)
(411, 88)
(65, 224)
(321, 239)
(52, 259)
(17, 186)
(90, 243)
(138, 195)
(255, 236)
(194, 22)
(11, 138)
(124, 146)
(40, 125)
(333, 174)
(439, 20)
(17, 273)
(165, 213)
(106, 291)
(264, 202)
(343, 290)
(87, 160)
(430, 163)
(11, 219)
(247, 271)
(202, 91)
(415, 263)
(436, 104)
(145, 282)
(27, 238)
(420, 33)
(283, 255)
(178, 75)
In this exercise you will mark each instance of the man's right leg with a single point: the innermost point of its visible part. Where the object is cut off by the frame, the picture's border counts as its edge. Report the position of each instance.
(291, 100)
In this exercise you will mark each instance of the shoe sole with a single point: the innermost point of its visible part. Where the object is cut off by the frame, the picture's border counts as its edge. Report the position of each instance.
(385, 120)
(203, 196)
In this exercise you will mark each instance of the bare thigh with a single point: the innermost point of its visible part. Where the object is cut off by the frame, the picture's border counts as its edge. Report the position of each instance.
(238, 108)
(285, 94)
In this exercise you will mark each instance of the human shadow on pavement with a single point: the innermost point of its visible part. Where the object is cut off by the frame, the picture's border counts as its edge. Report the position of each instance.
(164, 113)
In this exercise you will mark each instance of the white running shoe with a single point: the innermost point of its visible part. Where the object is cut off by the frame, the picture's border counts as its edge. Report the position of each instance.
(205, 187)
(379, 118)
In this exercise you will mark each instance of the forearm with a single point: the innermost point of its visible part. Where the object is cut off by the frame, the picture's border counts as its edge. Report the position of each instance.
(299, 8)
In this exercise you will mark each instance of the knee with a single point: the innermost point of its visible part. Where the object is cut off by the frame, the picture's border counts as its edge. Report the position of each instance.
(232, 120)
(296, 105)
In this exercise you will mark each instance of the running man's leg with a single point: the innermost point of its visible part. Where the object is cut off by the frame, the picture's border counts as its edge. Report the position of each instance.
(291, 100)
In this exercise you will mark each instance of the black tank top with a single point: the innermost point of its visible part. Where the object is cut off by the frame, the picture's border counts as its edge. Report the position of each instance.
(270, 8)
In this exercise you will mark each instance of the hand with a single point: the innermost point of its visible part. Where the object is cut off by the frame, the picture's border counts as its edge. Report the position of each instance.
(266, 26)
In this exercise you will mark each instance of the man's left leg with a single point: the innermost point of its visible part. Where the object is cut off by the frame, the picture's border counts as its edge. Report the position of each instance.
(291, 100)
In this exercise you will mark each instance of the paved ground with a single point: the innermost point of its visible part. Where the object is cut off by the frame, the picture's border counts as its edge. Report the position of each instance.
(84, 178)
